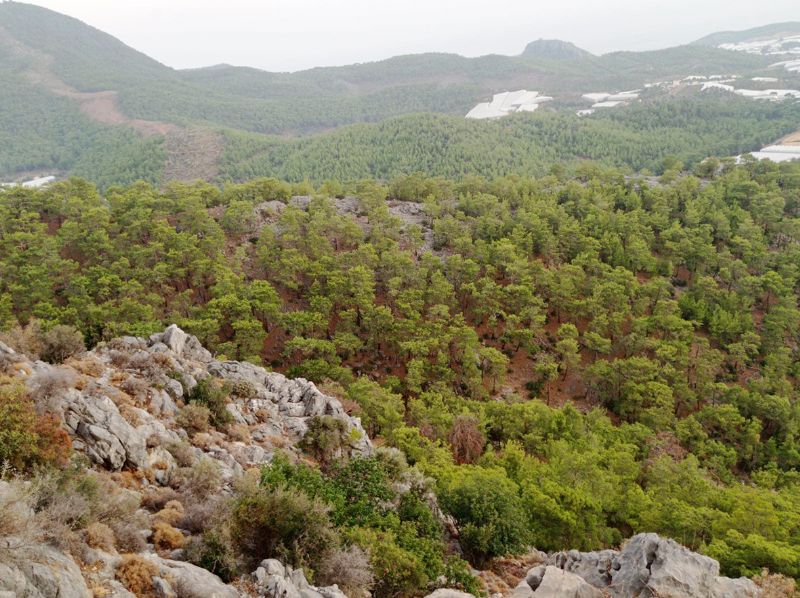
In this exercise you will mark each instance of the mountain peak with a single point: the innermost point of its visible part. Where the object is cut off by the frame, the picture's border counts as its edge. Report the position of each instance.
(554, 49)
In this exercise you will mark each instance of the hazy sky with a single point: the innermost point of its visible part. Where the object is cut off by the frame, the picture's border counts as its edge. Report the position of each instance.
(282, 35)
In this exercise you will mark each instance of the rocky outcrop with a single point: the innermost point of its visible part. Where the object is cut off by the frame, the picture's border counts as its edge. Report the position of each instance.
(647, 566)
(41, 571)
(650, 566)
(273, 579)
(546, 581)
(125, 414)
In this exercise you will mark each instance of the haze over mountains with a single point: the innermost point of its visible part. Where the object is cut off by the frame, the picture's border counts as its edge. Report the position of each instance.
(76, 100)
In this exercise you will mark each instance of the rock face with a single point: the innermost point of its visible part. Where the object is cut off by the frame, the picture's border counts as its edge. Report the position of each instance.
(275, 580)
(126, 424)
(42, 572)
(649, 566)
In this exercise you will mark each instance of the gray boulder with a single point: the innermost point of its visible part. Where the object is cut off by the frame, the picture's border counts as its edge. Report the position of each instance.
(42, 571)
(194, 582)
(649, 566)
(107, 437)
(547, 581)
(175, 339)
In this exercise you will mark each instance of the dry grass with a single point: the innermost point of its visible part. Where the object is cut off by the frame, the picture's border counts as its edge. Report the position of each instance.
(239, 433)
(775, 585)
(172, 513)
(136, 574)
(166, 537)
(99, 535)
(87, 365)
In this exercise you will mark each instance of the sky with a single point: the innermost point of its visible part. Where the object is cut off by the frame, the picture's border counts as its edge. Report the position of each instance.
(290, 35)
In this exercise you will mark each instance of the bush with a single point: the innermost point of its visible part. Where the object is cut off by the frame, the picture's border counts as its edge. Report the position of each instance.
(325, 439)
(194, 418)
(282, 523)
(215, 552)
(490, 514)
(136, 574)
(99, 535)
(60, 343)
(398, 571)
(183, 452)
(166, 537)
(172, 513)
(28, 439)
(202, 479)
(46, 386)
(212, 394)
(466, 439)
(349, 568)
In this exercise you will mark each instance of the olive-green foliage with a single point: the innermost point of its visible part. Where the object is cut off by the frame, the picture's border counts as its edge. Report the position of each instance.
(492, 521)
(213, 395)
(665, 310)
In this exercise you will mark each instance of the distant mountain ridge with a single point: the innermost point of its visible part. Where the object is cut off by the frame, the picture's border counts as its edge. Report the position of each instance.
(74, 99)
(764, 31)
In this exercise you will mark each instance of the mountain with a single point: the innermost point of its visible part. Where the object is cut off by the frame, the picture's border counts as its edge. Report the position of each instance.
(772, 30)
(554, 49)
(75, 100)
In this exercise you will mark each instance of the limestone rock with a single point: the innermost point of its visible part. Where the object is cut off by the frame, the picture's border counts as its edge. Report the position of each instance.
(108, 438)
(194, 582)
(175, 339)
(42, 571)
(547, 581)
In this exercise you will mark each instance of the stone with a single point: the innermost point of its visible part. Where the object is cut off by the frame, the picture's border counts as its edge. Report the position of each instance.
(448, 593)
(42, 571)
(547, 581)
(175, 339)
(192, 581)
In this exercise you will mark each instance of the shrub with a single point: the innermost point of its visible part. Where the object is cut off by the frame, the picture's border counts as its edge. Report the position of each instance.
(183, 452)
(214, 552)
(46, 386)
(200, 514)
(325, 439)
(99, 535)
(172, 513)
(239, 432)
(212, 394)
(202, 479)
(136, 574)
(28, 439)
(194, 418)
(349, 568)
(490, 514)
(154, 499)
(282, 523)
(60, 343)
(466, 439)
(27, 340)
(398, 571)
(166, 537)
(129, 536)
(242, 388)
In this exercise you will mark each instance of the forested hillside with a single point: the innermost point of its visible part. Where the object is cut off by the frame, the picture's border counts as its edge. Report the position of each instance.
(572, 358)
(638, 137)
(77, 101)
